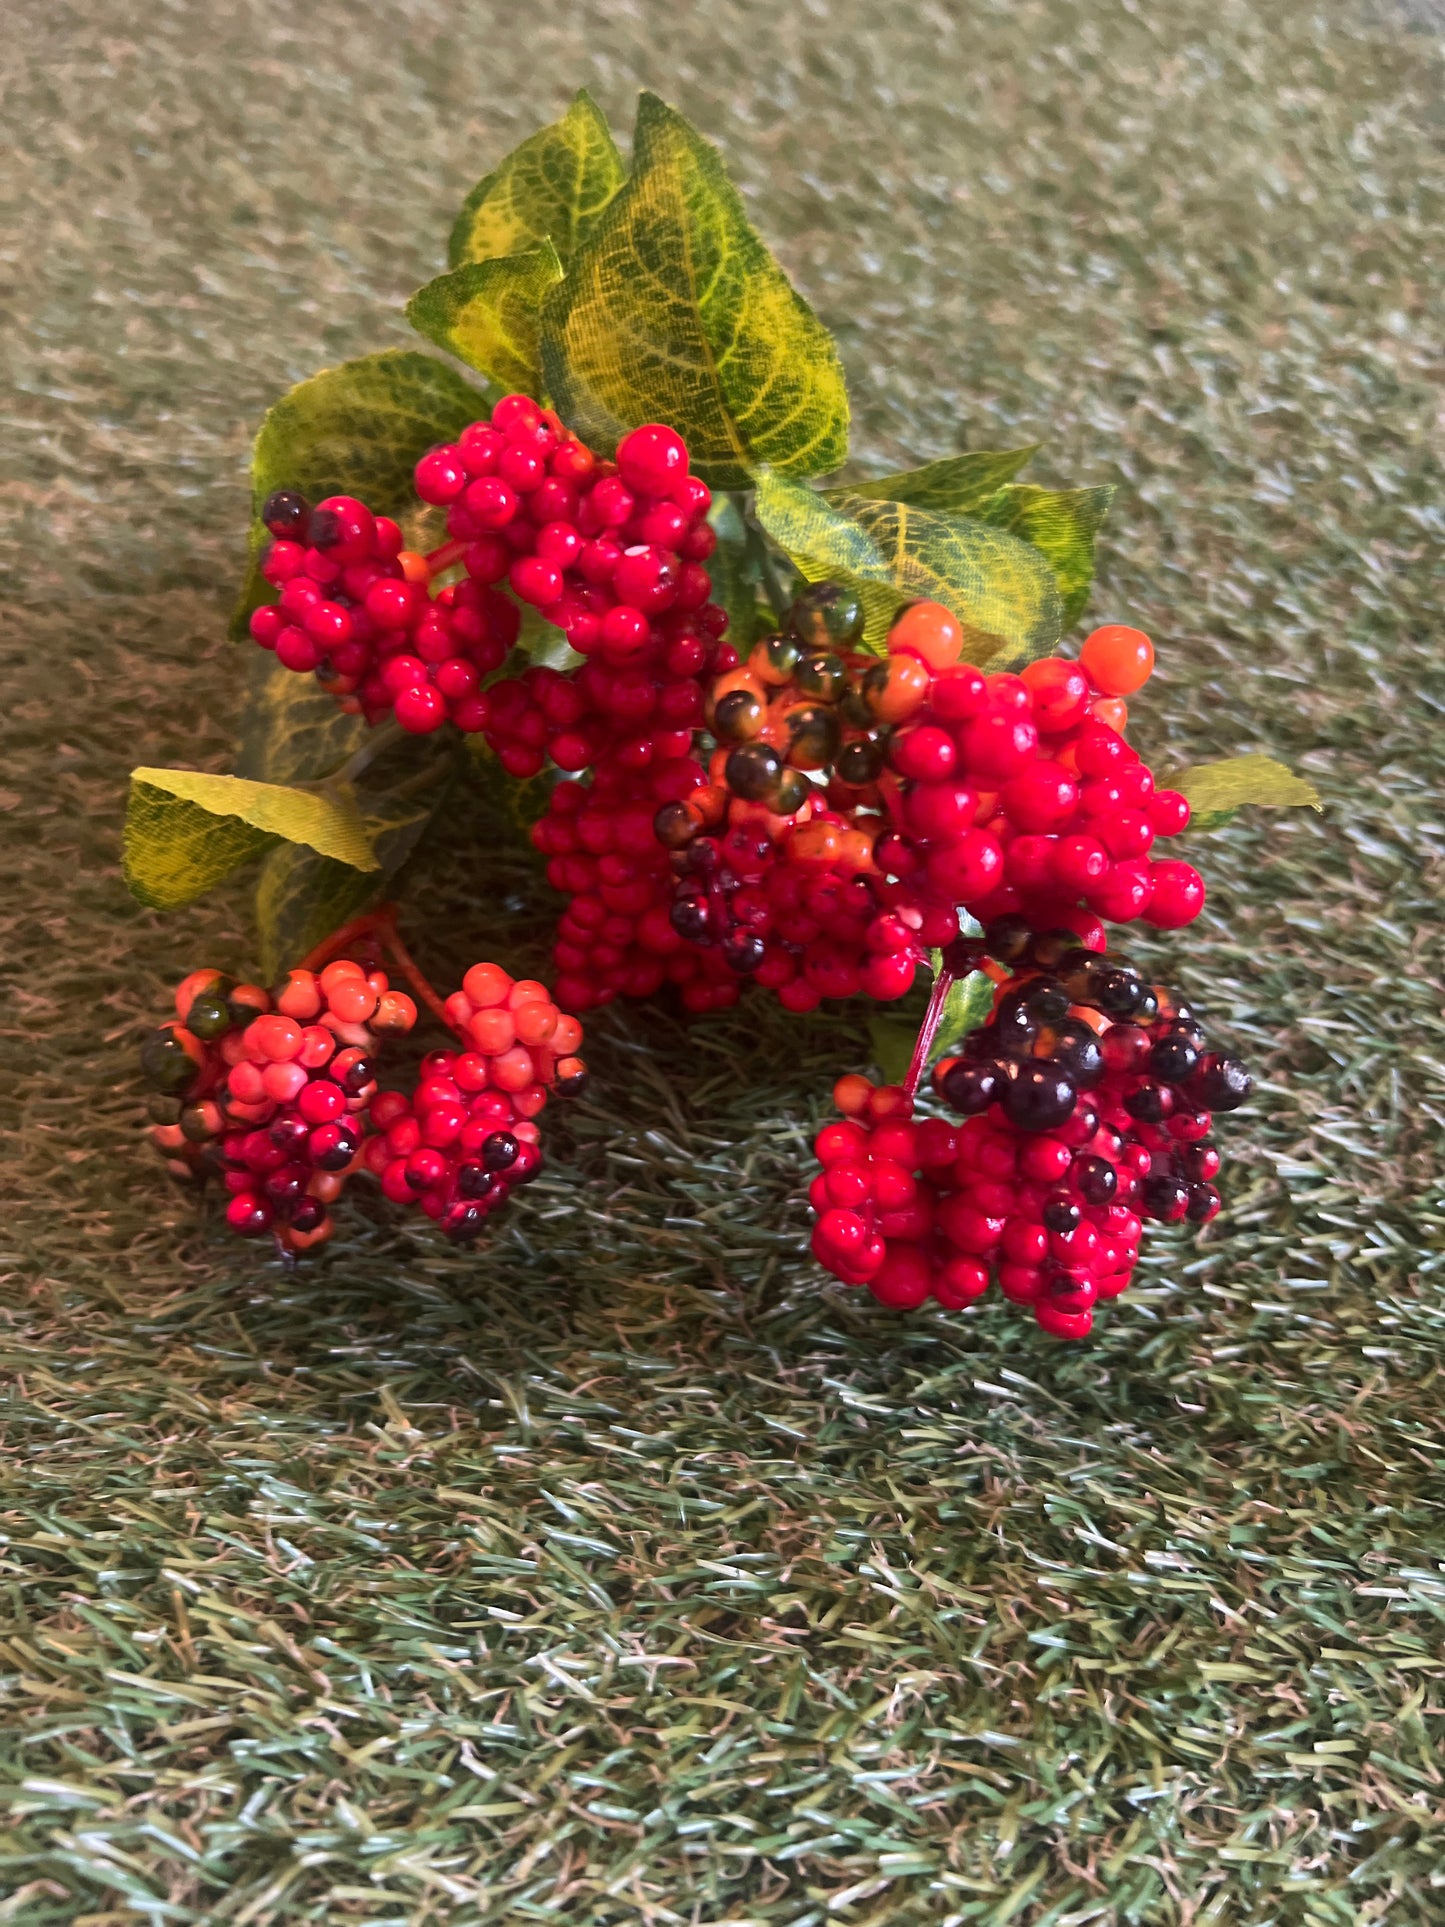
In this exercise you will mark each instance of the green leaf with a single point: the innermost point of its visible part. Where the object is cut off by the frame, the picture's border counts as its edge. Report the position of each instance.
(1000, 588)
(968, 1004)
(1061, 524)
(734, 571)
(1216, 790)
(488, 314)
(185, 831)
(291, 730)
(357, 429)
(302, 897)
(551, 188)
(957, 485)
(674, 310)
(891, 1042)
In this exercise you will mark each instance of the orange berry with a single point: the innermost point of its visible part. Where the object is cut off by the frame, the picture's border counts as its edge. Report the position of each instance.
(283, 1082)
(736, 679)
(527, 1132)
(326, 1186)
(318, 1047)
(493, 1031)
(300, 997)
(378, 980)
(527, 991)
(414, 566)
(1112, 710)
(395, 1013)
(855, 851)
(930, 631)
(514, 1069)
(712, 800)
(251, 997)
(338, 973)
(537, 1022)
(353, 1000)
(851, 1094)
(486, 984)
(815, 842)
(530, 1102)
(1117, 660)
(276, 1039)
(904, 691)
(169, 1137)
(567, 1036)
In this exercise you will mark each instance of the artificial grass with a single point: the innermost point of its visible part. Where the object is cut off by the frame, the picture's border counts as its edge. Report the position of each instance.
(622, 1571)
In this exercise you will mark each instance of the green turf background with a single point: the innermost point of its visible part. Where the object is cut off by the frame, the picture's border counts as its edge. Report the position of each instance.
(621, 1573)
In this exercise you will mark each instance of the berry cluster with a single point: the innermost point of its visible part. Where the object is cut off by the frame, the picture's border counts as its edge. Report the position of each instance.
(278, 1095)
(867, 799)
(611, 553)
(272, 1094)
(467, 1137)
(1087, 1102)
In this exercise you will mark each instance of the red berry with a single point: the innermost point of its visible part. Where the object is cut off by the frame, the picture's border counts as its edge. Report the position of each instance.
(652, 459)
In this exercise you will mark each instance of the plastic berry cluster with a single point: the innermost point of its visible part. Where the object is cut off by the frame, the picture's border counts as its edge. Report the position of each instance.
(855, 804)
(271, 1094)
(611, 553)
(467, 1136)
(1087, 1102)
(277, 1096)
(818, 820)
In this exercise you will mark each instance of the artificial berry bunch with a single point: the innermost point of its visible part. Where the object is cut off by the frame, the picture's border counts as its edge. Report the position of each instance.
(278, 1096)
(863, 802)
(271, 1094)
(467, 1136)
(1087, 1101)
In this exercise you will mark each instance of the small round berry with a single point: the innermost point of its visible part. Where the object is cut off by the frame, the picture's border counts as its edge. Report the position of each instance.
(1219, 1084)
(969, 1087)
(1176, 894)
(652, 459)
(931, 632)
(517, 417)
(1060, 693)
(420, 708)
(1117, 660)
(286, 513)
(826, 616)
(754, 771)
(441, 476)
(250, 1215)
(1039, 1097)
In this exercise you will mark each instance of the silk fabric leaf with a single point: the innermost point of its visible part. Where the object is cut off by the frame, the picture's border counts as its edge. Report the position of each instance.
(1061, 524)
(488, 314)
(552, 188)
(1001, 589)
(185, 830)
(674, 310)
(954, 486)
(1216, 790)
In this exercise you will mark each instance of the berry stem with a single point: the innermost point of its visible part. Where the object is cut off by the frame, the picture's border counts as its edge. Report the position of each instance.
(778, 598)
(928, 1030)
(380, 926)
(411, 970)
(445, 557)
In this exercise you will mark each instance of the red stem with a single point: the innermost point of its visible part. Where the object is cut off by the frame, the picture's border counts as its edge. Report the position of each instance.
(380, 925)
(928, 1030)
(445, 556)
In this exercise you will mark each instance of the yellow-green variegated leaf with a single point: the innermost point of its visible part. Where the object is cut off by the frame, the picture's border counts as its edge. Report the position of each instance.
(185, 831)
(954, 486)
(357, 429)
(301, 897)
(551, 188)
(674, 310)
(488, 314)
(1061, 524)
(291, 730)
(1216, 790)
(1001, 589)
